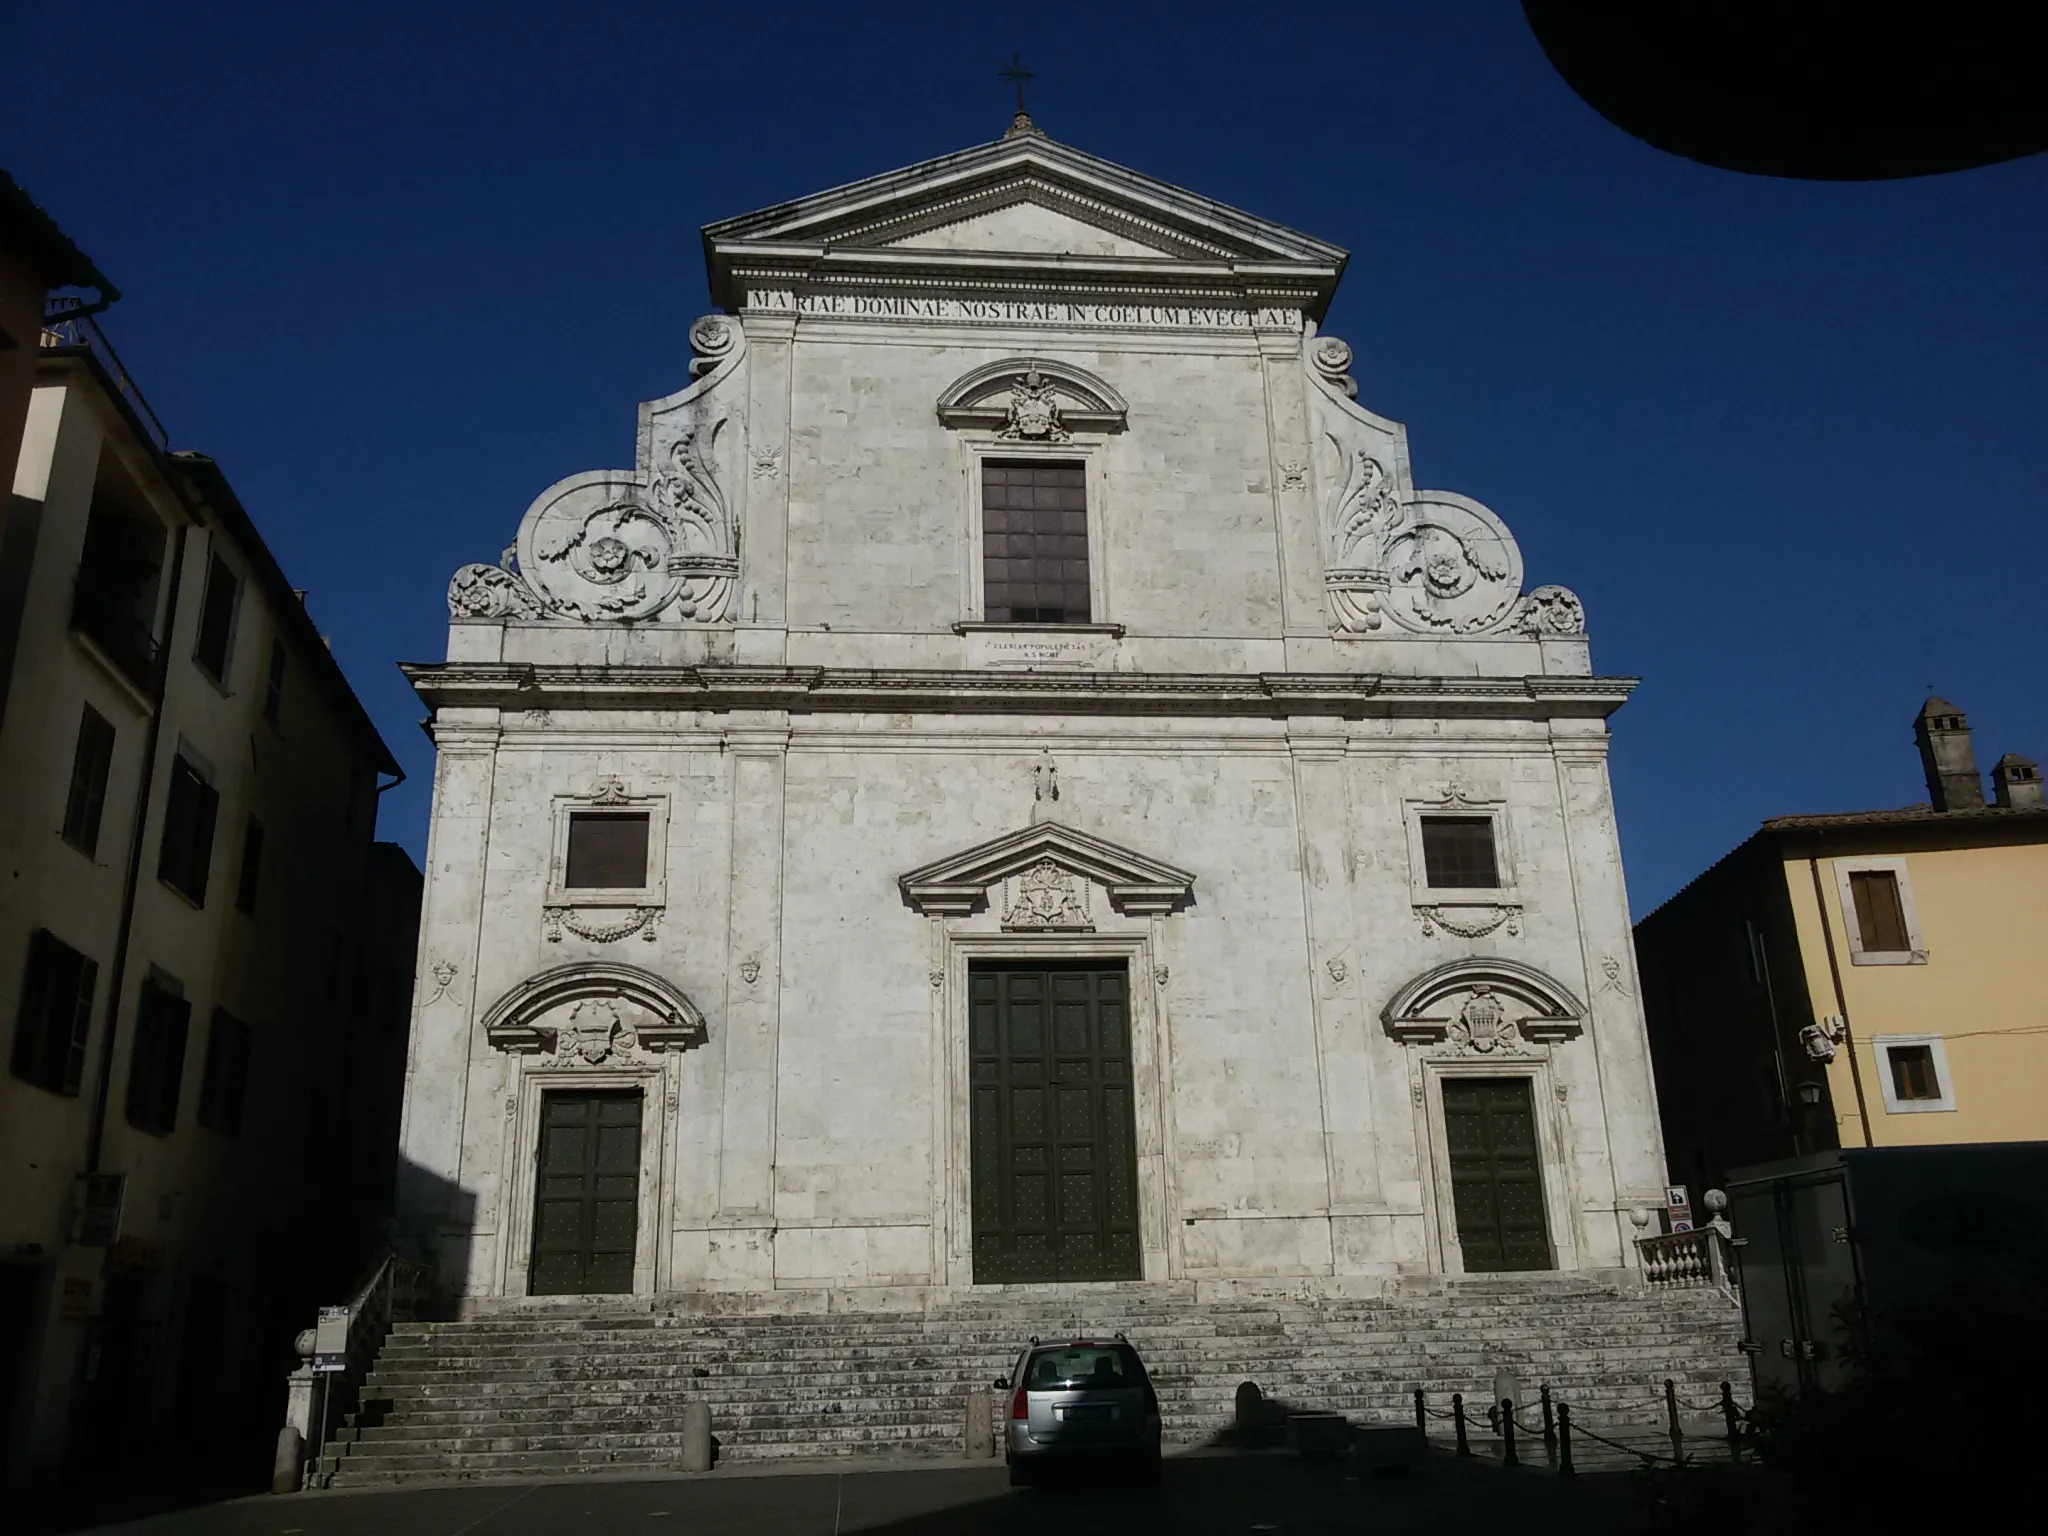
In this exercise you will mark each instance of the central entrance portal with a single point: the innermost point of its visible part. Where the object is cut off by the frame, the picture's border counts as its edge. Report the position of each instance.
(1054, 1133)
(586, 1202)
(1496, 1176)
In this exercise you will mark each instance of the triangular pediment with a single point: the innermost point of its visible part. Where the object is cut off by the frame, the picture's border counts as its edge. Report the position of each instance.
(1028, 226)
(1024, 202)
(1134, 884)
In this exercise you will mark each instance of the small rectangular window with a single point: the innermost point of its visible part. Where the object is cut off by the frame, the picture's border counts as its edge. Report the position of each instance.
(1880, 915)
(273, 686)
(1034, 532)
(224, 1081)
(156, 1066)
(185, 858)
(91, 763)
(607, 850)
(1913, 1074)
(251, 875)
(1457, 852)
(217, 619)
(55, 1016)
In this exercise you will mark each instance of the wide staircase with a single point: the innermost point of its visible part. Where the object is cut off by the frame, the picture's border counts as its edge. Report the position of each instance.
(540, 1393)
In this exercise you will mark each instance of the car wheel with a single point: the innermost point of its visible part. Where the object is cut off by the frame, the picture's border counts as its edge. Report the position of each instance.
(1020, 1475)
(1148, 1468)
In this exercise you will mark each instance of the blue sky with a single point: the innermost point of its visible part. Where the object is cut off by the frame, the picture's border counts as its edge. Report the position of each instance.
(399, 267)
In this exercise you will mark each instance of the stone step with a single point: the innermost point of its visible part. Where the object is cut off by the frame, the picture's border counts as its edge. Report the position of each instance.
(552, 1392)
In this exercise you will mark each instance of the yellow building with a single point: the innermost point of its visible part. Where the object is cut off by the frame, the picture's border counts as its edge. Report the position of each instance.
(1867, 978)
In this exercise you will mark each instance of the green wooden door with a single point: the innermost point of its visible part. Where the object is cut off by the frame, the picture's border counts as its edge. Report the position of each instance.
(1055, 1155)
(586, 1204)
(1496, 1177)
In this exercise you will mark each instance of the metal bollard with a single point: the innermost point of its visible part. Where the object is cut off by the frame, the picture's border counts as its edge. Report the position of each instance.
(1564, 1441)
(1421, 1414)
(1549, 1424)
(1733, 1415)
(696, 1456)
(1458, 1417)
(1671, 1419)
(1508, 1458)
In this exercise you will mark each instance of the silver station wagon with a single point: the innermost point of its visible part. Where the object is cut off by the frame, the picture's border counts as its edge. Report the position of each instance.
(1081, 1400)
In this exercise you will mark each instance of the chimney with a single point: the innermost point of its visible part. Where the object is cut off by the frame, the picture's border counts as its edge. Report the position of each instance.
(1945, 754)
(2016, 781)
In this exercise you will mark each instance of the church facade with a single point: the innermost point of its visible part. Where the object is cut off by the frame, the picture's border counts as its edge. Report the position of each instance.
(1018, 785)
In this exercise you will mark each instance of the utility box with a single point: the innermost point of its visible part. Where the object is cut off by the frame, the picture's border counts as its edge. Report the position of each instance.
(1833, 1245)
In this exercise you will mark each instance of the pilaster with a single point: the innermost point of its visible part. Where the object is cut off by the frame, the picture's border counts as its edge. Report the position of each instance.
(753, 985)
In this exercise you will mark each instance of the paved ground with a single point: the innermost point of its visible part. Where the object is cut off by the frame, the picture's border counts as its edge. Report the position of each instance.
(1201, 1493)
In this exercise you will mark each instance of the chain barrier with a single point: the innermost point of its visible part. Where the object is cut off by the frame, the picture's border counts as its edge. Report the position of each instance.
(1553, 1422)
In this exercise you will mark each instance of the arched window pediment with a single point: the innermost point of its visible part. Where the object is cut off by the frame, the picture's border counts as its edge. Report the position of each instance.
(530, 1017)
(981, 398)
(1470, 997)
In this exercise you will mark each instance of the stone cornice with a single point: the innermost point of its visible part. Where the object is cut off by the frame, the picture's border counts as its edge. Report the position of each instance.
(856, 689)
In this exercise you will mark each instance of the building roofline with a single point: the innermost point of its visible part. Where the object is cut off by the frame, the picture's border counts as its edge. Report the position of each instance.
(201, 487)
(63, 264)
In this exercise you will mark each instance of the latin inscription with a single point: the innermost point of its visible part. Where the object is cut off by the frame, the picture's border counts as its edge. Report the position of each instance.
(857, 306)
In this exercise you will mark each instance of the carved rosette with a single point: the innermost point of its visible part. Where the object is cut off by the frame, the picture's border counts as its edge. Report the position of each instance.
(660, 544)
(1551, 610)
(1396, 559)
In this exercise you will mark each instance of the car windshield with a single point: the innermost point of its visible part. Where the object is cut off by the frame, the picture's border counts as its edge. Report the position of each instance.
(1071, 1367)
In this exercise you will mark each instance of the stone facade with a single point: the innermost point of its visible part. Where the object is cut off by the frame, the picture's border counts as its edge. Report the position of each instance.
(769, 636)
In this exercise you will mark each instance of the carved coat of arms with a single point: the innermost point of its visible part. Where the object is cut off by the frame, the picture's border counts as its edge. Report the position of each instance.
(593, 1032)
(1483, 1025)
(1034, 412)
(1048, 897)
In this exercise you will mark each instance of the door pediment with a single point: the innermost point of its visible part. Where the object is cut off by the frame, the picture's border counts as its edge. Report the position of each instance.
(1134, 884)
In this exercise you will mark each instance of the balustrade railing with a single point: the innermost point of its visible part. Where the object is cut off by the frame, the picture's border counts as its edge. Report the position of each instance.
(320, 1401)
(1680, 1259)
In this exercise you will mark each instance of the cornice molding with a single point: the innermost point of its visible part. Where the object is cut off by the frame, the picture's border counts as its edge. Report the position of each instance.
(850, 690)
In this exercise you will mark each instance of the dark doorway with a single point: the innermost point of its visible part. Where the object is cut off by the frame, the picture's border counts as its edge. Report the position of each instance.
(1496, 1178)
(1055, 1155)
(586, 1203)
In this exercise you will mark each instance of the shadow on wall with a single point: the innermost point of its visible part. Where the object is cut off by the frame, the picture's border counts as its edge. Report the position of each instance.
(435, 1219)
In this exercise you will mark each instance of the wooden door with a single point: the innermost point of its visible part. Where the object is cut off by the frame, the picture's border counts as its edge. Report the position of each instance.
(1496, 1176)
(586, 1204)
(1053, 1126)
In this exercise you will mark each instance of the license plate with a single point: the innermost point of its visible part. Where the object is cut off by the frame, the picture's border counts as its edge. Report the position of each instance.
(1086, 1412)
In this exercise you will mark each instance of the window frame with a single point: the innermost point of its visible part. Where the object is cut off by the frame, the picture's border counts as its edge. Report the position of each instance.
(249, 868)
(88, 843)
(202, 776)
(1883, 1045)
(217, 562)
(230, 1044)
(153, 1108)
(1845, 897)
(612, 799)
(273, 684)
(47, 1050)
(979, 448)
(1453, 801)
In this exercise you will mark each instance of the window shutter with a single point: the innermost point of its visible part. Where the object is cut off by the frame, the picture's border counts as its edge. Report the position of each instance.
(217, 619)
(90, 766)
(1880, 915)
(81, 1023)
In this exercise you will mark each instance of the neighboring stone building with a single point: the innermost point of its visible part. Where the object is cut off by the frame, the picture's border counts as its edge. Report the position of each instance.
(191, 801)
(1018, 784)
(1866, 978)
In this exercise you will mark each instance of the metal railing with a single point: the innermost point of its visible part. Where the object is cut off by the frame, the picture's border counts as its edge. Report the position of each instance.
(65, 329)
(1677, 1260)
(105, 614)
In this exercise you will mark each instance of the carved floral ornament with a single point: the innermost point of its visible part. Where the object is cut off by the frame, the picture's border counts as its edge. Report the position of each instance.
(592, 1012)
(1484, 1006)
(659, 544)
(1427, 562)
